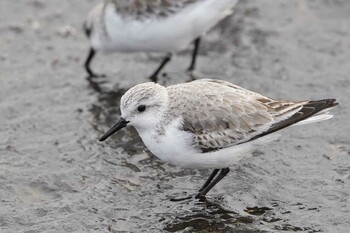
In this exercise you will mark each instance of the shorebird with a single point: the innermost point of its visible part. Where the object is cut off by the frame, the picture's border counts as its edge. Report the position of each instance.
(161, 26)
(210, 124)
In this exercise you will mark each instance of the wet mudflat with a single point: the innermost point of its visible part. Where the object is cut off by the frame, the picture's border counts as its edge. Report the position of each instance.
(56, 177)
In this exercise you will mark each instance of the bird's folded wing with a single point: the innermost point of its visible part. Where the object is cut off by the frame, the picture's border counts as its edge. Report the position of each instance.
(223, 114)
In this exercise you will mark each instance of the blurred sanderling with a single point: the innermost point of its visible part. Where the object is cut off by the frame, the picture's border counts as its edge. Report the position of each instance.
(163, 26)
(210, 123)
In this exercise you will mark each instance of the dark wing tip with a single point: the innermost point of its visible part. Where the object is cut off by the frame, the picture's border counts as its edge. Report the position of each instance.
(322, 104)
(309, 109)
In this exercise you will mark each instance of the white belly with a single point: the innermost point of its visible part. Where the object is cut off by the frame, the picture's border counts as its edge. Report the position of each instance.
(174, 147)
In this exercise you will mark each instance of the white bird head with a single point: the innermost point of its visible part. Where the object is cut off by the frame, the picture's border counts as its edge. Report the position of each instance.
(142, 106)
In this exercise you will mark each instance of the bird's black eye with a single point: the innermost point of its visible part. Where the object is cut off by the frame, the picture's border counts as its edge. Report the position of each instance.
(141, 108)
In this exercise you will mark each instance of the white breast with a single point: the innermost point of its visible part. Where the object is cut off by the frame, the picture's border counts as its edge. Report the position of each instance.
(173, 146)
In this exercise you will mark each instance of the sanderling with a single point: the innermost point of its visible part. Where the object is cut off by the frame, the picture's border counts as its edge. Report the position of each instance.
(210, 123)
(161, 26)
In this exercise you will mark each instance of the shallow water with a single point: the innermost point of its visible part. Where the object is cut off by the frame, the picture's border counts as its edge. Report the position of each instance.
(56, 177)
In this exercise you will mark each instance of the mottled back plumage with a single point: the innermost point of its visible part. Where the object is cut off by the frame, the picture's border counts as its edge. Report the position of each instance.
(142, 9)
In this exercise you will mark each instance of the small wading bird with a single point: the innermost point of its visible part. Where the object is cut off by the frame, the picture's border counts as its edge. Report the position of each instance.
(209, 123)
(162, 26)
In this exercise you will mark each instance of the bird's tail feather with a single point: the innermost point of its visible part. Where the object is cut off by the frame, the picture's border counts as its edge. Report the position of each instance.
(312, 111)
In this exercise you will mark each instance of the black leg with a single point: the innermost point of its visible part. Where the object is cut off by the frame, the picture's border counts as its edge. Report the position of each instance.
(221, 175)
(194, 54)
(89, 58)
(154, 76)
(211, 177)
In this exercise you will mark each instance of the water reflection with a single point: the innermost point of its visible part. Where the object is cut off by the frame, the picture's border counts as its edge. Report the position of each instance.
(213, 216)
(207, 216)
(105, 112)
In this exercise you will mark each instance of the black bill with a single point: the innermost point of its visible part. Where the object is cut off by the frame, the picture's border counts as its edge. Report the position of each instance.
(119, 125)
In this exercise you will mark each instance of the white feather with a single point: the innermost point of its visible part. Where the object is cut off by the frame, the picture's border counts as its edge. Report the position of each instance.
(314, 119)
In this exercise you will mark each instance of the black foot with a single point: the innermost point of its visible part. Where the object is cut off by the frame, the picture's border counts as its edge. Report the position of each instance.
(191, 69)
(154, 78)
(181, 198)
(199, 196)
(89, 58)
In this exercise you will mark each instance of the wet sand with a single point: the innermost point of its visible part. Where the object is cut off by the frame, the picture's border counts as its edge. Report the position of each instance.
(56, 177)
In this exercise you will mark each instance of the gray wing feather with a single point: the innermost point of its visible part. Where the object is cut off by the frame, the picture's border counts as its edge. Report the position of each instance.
(222, 114)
